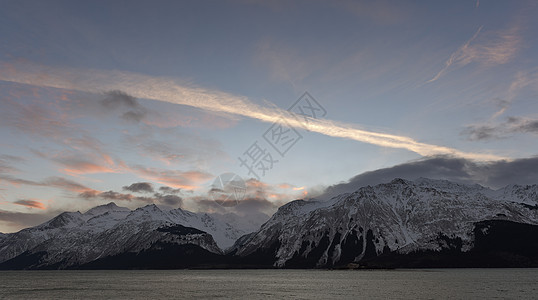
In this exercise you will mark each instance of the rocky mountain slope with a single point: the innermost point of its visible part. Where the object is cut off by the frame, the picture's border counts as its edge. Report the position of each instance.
(398, 217)
(421, 223)
(74, 238)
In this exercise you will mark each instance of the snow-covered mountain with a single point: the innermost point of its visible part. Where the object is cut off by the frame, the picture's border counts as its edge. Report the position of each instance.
(74, 238)
(401, 217)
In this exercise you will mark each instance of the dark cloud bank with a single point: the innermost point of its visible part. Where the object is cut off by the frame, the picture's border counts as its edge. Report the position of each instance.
(140, 187)
(511, 126)
(494, 175)
(120, 100)
(26, 219)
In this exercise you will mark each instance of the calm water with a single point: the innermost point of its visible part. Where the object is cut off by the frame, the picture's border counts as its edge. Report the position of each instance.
(253, 284)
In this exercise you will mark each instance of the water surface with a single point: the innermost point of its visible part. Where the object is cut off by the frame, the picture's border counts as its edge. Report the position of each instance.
(259, 284)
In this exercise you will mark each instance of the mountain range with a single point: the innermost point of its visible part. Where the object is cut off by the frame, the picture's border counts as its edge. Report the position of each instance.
(420, 223)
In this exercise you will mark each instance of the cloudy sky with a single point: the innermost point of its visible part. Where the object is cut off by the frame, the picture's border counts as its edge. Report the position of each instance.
(142, 102)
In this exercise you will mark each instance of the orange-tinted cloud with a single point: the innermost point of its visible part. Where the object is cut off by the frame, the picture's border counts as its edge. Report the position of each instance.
(254, 183)
(260, 198)
(87, 168)
(55, 182)
(490, 48)
(284, 186)
(31, 204)
(86, 158)
(193, 150)
(65, 184)
(188, 180)
(279, 193)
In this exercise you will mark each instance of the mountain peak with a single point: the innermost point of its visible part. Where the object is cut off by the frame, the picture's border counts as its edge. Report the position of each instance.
(401, 216)
(399, 181)
(150, 207)
(65, 219)
(101, 209)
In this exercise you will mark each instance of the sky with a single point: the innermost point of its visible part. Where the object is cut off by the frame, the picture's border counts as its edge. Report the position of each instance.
(149, 102)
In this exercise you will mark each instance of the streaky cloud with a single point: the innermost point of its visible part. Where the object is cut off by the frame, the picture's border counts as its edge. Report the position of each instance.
(31, 203)
(491, 48)
(168, 90)
(459, 55)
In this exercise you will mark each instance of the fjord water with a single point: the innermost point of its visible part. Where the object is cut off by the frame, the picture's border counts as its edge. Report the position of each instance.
(255, 284)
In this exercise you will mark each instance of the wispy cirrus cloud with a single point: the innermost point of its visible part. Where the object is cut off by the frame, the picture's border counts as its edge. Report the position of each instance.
(166, 89)
(80, 162)
(54, 182)
(487, 48)
(83, 154)
(65, 184)
(75, 163)
(81, 166)
(6, 163)
(188, 180)
(523, 86)
(35, 119)
(194, 150)
(457, 57)
(52, 122)
(522, 79)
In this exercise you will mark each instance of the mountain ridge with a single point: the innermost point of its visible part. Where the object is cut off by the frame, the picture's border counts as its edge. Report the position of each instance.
(74, 238)
(401, 216)
(390, 224)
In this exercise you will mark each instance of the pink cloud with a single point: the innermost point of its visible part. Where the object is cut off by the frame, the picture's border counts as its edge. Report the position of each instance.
(55, 182)
(87, 168)
(31, 204)
(488, 48)
(188, 180)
